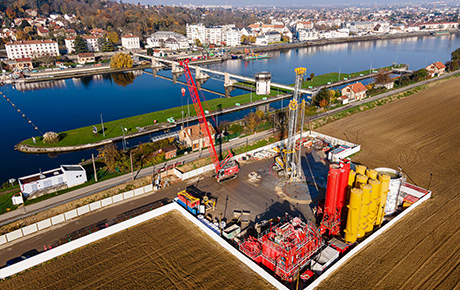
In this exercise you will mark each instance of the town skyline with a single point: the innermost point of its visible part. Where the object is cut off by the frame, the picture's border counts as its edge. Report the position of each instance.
(288, 3)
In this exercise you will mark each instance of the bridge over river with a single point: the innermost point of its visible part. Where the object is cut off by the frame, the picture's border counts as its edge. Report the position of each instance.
(156, 62)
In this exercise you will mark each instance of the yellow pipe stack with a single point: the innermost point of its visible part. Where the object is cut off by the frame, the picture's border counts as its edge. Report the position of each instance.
(364, 216)
(375, 201)
(367, 198)
(351, 178)
(360, 179)
(371, 173)
(361, 169)
(384, 186)
(354, 212)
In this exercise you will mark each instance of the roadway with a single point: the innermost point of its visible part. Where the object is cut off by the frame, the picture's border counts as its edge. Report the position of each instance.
(82, 192)
(259, 198)
(35, 208)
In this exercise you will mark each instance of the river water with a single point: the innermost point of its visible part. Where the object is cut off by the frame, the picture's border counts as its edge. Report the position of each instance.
(72, 103)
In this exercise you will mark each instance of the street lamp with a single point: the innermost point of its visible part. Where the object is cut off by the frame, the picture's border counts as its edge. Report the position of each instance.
(340, 69)
(124, 139)
(102, 123)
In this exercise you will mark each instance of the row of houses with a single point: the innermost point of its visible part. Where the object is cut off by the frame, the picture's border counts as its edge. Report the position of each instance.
(37, 48)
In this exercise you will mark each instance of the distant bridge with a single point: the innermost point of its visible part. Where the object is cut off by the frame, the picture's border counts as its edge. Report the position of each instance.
(199, 70)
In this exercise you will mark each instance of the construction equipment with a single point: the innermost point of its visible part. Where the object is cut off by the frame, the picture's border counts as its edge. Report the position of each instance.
(227, 168)
(290, 165)
(284, 248)
(336, 192)
(203, 43)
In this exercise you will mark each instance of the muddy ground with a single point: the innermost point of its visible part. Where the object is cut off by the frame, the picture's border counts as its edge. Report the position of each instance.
(420, 134)
(168, 252)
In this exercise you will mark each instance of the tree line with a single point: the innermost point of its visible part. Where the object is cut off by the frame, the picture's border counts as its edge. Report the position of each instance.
(124, 17)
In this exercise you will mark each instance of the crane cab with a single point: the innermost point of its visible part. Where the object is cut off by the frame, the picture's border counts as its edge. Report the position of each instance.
(228, 171)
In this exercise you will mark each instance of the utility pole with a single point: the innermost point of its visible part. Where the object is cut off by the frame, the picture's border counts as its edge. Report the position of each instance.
(102, 123)
(246, 148)
(94, 168)
(132, 171)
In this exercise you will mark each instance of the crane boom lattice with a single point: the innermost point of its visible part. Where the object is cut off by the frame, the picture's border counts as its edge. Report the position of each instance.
(227, 168)
(290, 164)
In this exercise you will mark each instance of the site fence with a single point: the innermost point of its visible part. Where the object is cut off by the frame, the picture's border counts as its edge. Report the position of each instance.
(71, 214)
(263, 152)
(358, 248)
(104, 232)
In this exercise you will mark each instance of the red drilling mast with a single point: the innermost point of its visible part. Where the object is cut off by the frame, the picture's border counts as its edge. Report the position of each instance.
(228, 168)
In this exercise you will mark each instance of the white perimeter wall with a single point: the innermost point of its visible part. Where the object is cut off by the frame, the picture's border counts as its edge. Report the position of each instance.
(334, 141)
(83, 241)
(358, 248)
(43, 224)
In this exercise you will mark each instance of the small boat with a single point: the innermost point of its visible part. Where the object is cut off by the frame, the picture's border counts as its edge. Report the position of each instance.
(256, 56)
(234, 56)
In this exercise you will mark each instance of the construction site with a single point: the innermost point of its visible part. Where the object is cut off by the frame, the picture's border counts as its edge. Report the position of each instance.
(308, 211)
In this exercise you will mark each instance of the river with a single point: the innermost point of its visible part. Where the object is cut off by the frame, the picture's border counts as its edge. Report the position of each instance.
(72, 103)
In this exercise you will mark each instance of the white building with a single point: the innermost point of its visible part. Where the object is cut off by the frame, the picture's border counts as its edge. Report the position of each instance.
(261, 40)
(130, 41)
(304, 25)
(91, 43)
(170, 39)
(273, 36)
(194, 32)
(232, 37)
(214, 35)
(31, 48)
(438, 25)
(307, 34)
(65, 176)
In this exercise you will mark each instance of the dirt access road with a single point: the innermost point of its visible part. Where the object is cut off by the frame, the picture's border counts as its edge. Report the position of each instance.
(168, 252)
(420, 134)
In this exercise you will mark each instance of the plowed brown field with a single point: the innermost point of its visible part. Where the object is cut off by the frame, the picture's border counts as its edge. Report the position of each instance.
(168, 252)
(421, 134)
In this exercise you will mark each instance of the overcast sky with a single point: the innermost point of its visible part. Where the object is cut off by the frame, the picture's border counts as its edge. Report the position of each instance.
(271, 2)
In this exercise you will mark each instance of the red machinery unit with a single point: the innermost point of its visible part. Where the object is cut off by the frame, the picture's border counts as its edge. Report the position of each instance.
(343, 185)
(285, 248)
(330, 221)
(336, 194)
(228, 168)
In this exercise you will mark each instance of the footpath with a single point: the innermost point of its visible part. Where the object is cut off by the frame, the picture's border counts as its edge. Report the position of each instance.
(35, 208)
(32, 209)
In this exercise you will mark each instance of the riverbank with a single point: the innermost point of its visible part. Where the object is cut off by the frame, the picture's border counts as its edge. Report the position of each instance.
(322, 42)
(84, 138)
(81, 138)
(225, 106)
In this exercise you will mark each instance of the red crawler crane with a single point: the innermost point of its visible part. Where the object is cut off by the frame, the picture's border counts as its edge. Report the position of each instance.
(227, 168)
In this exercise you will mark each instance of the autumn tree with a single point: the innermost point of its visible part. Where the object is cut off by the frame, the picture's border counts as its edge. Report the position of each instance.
(23, 25)
(244, 40)
(121, 60)
(251, 121)
(312, 75)
(382, 77)
(323, 94)
(112, 156)
(10, 13)
(455, 55)
(21, 35)
(79, 45)
(113, 37)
